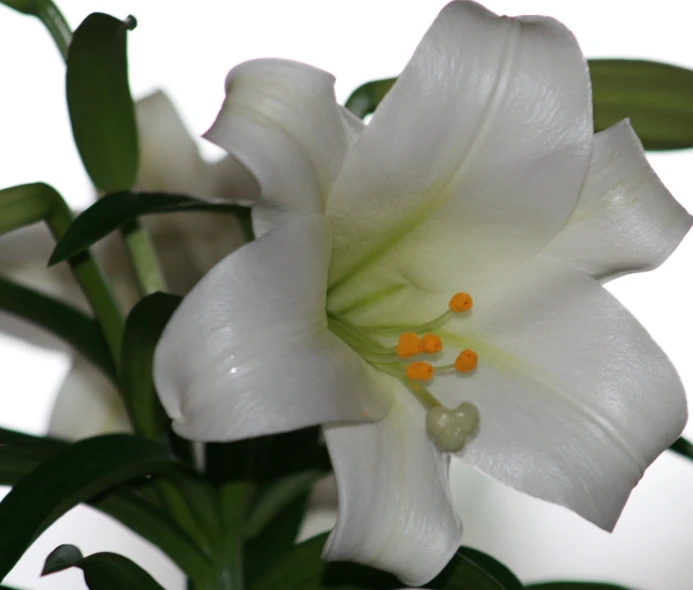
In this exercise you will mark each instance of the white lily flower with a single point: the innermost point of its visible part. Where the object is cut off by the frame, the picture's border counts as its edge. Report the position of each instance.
(479, 173)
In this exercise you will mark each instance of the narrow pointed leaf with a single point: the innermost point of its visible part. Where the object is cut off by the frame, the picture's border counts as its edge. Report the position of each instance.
(99, 101)
(656, 97)
(61, 319)
(143, 328)
(102, 571)
(76, 474)
(112, 211)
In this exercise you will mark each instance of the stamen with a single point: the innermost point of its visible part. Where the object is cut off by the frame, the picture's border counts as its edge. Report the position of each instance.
(461, 302)
(451, 429)
(466, 361)
(420, 371)
(431, 343)
(409, 345)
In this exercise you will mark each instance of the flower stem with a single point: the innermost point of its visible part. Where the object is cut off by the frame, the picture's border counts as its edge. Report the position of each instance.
(30, 203)
(143, 257)
(49, 14)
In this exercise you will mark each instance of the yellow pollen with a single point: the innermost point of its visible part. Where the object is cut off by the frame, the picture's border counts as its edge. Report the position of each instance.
(461, 302)
(431, 343)
(466, 361)
(420, 371)
(409, 345)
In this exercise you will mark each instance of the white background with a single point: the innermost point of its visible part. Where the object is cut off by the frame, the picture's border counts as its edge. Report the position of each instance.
(186, 48)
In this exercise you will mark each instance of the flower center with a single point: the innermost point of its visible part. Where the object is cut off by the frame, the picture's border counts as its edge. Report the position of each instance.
(449, 428)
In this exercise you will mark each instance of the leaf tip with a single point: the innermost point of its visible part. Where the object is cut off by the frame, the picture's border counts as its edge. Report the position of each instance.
(62, 557)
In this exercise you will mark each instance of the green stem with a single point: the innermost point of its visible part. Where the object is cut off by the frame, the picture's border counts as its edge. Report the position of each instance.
(233, 468)
(143, 258)
(30, 203)
(49, 14)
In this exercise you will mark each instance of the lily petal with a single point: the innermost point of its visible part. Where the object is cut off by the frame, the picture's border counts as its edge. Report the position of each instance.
(575, 398)
(87, 405)
(626, 220)
(474, 160)
(170, 159)
(395, 511)
(281, 120)
(248, 351)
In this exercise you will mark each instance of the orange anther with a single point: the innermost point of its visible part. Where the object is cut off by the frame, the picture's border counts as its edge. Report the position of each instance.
(466, 361)
(461, 302)
(420, 371)
(431, 343)
(409, 345)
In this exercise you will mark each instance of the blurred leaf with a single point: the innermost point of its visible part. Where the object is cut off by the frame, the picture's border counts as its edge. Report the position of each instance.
(50, 16)
(574, 586)
(470, 568)
(263, 551)
(73, 475)
(102, 571)
(683, 447)
(99, 101)
(114, 210)
(61, 319)
(656, 97)
(299, 460)
(29, 441)
(132, 505)
(143, 328)
(302, 569)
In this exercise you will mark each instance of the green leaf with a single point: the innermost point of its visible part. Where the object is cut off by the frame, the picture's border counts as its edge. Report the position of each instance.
(29, 203)
(574, 586)
(125, 504)
(61, 558)
(61, 319)
(102, 571)
(50, 16)
(262, 552)
(683, 447)
(470, 568)
(364, 100)
(99, 101)
(657, 97)
(73, 475)
(29, 441)
(299, 460)
(143, 328)
(114, 210)
(302, 569)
